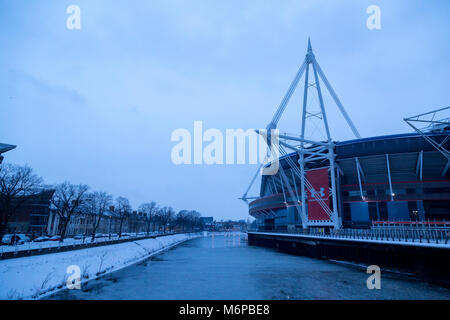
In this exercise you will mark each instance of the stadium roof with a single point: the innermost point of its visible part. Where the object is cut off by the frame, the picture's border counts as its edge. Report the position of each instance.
(387, 137)
(380, 145)
(418, 142)
(6, 147)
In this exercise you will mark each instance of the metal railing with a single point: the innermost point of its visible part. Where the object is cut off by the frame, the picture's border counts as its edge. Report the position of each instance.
(422, 234)
(33, 248)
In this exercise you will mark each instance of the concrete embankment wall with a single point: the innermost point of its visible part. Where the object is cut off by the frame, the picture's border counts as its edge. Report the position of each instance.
(23, 251)
(430, 263)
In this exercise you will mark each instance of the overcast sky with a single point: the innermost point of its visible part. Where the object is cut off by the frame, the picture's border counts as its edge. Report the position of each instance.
(98, 105)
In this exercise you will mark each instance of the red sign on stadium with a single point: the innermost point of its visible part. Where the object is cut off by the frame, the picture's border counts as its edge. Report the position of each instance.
(319, 181)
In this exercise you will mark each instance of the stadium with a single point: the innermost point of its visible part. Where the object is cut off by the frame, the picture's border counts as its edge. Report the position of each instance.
(397, 180)
(388, 178)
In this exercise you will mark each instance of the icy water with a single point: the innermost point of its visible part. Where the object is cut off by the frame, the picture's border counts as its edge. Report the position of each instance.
(224, 267)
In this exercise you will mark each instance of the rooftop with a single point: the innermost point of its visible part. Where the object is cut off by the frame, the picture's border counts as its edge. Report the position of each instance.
(6, 147)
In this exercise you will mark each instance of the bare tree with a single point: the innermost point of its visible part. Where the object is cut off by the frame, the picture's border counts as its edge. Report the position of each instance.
(96, 204)
(182, 219)
(67, 199)
(149, 211)
(194, 220)
(16, 184)
(165, 215)
(123, 209)
(188, 220)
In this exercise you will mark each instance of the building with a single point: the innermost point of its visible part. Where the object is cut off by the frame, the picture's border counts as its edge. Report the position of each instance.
(328, 184)
(389, 178)
(32, 216)
(37, 216)
(81, 223)
(207, 222)
(229, 226)
(5, 148)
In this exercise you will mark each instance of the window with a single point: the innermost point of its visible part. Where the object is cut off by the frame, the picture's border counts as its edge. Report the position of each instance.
(382, 207)
(373, 212)
(399, 191)
(356, 193)
(413, 211)
(437, 190)
(38, 220)
(347, 212)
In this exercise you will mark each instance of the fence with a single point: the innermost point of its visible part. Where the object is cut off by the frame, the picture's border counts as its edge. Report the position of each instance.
(32, 248)
(415, 232)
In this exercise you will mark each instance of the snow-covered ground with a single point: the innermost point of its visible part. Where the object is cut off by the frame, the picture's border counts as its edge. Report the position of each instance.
(37, 276)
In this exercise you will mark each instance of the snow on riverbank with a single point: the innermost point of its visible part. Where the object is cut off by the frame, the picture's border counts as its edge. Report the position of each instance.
(36, 276)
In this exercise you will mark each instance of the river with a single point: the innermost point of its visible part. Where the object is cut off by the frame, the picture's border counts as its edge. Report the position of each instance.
(224, 267)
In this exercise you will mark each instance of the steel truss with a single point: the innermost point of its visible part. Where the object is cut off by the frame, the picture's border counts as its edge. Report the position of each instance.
(440, 125)
(309, 151)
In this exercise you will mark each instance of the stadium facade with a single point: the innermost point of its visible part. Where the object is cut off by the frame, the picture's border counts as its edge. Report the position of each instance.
(326, 184)
(388, 178)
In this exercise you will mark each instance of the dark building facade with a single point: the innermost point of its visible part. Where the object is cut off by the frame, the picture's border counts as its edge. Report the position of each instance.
(32, 216)
(388, 178)
(208, 223)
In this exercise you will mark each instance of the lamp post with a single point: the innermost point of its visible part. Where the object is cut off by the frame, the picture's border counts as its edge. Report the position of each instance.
(110, 227)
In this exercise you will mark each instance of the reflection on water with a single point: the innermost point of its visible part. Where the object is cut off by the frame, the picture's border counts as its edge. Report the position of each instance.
(224, 267)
